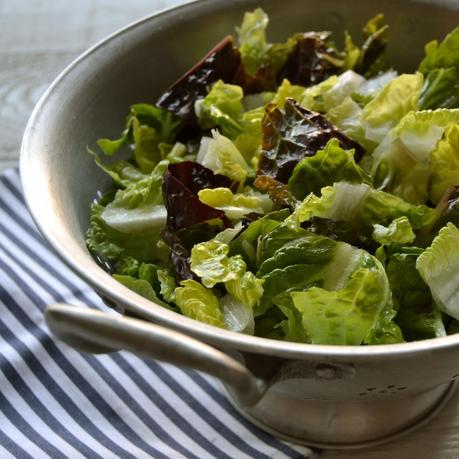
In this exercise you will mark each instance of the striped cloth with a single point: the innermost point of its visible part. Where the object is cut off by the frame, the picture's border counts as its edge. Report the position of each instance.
(56, 402)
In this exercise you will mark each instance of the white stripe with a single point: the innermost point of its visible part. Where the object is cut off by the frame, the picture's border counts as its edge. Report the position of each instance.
(34, 421)
(55, 408)
(85, 369)
(10, 430)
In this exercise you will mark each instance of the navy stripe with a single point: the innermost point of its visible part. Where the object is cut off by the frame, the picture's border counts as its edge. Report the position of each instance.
(10, 412)
(13, 447)
(35, 404)
(115, 386)
(70, 370)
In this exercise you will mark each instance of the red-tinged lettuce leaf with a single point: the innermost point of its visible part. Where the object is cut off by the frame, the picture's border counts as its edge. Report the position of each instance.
(181, 184)
(190, 221)
(291, 134)
(221, 63)
(313, 59)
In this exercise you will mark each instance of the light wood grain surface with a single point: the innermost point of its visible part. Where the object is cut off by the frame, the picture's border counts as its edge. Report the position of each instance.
(38, 38)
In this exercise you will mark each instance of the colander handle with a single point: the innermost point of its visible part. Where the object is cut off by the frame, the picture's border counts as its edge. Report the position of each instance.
(97, 332)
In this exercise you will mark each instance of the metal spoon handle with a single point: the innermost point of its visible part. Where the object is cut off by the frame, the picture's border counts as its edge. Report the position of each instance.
(96, 332)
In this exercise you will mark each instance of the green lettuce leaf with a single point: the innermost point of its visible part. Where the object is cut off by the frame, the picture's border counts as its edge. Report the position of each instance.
(367, 60)
(199, 303)
(256, 52)
(401, 163)
(399, 231)
(221, 107)
(439, 268)
(332, 164)
(210, 261)
(220, 155)
(391, 104)
(331, 92)
(150, 130)
(141, 287)
(440, 90)
(236, 205)
(444, 163)
(417, 316)
(361, 207)
(167, 284)
(287, 90)
(348, 315)
(445, 54)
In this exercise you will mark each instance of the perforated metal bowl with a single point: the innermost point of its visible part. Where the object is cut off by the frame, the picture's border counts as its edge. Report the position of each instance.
(321, 395)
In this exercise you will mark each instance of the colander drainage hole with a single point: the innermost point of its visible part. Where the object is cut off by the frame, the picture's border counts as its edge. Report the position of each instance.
(455, 376)
(401, 388)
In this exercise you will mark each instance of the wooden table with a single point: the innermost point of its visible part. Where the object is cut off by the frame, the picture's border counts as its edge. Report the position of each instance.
(38, 38)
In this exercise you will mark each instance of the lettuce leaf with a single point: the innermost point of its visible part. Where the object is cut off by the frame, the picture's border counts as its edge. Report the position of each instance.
(444, 164)
(399, 231)
(443, 55)
(367, 59)
(210, 261)
(331, 92)
(440, 90)
(348, 315)
(220, 155)
(236, 206)
(418, 316)
(391, 104)
(151, 131)
(361, 207)
(292, 134)
(439, 268)
(199, 303)
(401, 163)
(221, 107)
(332, 164)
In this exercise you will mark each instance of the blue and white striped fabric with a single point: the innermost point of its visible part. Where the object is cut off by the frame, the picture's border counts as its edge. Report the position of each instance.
(56, 402)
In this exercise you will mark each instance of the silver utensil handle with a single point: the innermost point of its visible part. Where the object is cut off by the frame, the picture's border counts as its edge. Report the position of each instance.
(97, 332)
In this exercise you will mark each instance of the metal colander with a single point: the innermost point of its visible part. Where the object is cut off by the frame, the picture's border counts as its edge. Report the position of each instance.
(321, 395)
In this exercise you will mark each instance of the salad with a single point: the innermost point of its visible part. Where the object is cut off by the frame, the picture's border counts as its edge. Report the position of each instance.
(295, 191)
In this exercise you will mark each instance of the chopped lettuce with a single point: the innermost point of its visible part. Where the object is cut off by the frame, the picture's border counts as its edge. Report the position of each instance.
(236, 205)
(293, 191)
(345, 316)
(221, 156)
(221, 107)
(210, 261)
(361, 207)
(199, 303)
(401, 162)
(391, 104)
(439, 267)
(417, 314)
(399, 231)
(332, 164)
(444, 163)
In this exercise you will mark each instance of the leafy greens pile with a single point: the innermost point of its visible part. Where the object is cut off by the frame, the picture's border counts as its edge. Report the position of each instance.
(293, 190)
